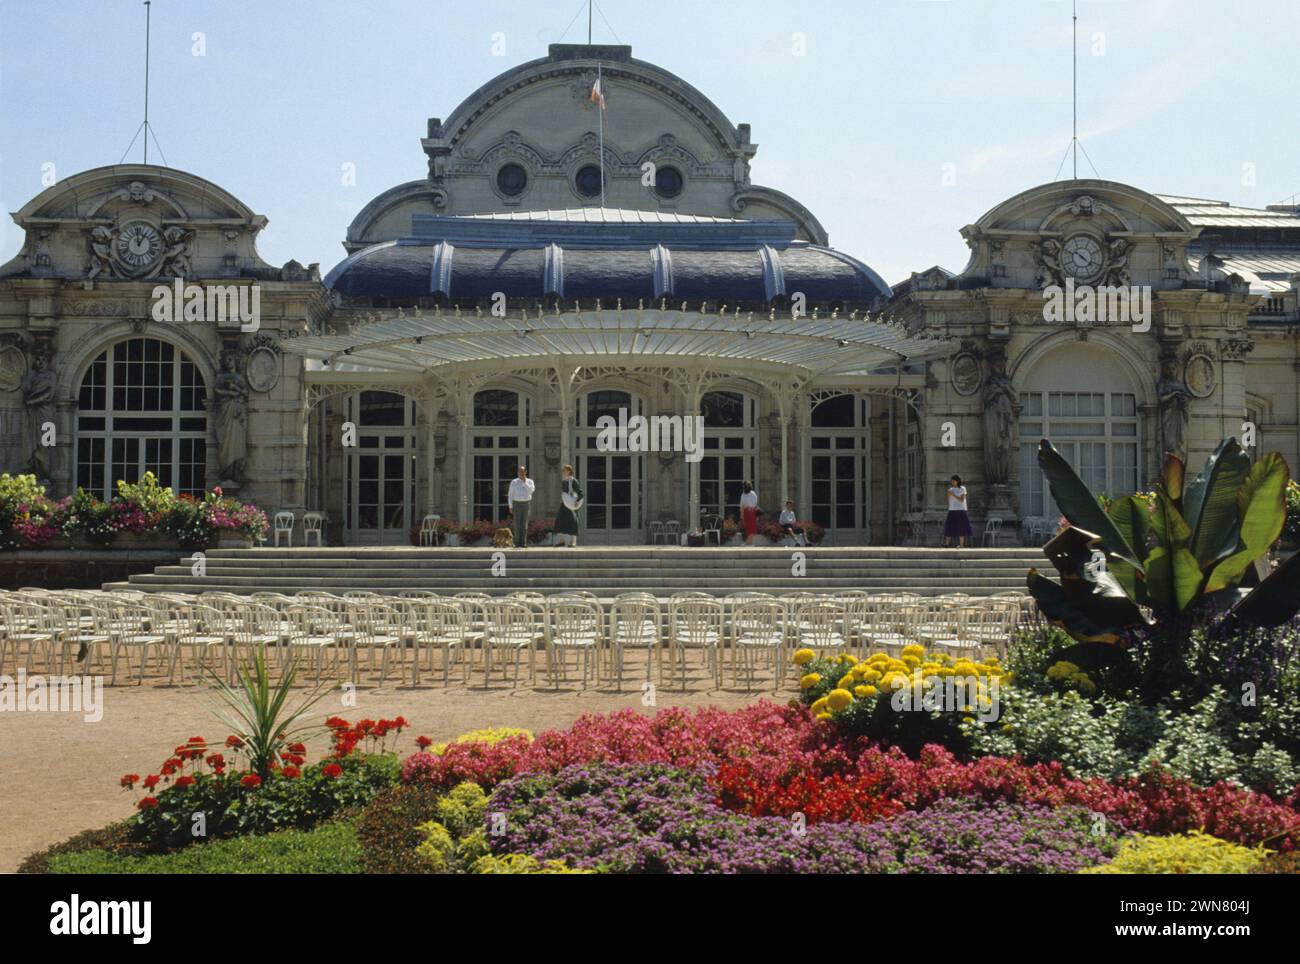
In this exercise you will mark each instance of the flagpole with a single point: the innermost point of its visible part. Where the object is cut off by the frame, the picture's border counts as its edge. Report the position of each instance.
(600, 113)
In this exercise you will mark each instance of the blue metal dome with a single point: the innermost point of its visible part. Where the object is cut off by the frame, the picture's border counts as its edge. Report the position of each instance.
(590, 254)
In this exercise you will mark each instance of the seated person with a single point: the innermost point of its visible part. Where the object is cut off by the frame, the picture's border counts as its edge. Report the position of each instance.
(786, 522)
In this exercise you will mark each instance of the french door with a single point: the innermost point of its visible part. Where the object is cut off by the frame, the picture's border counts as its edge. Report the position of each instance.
(381, 476)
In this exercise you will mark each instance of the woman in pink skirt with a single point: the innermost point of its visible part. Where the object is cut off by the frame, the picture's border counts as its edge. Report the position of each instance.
(749, 511)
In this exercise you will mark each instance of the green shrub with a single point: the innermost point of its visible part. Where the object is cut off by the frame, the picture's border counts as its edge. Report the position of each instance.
(454, 840)
(1190, 853)
(388, 829)
(116, 838)
(522, 864)
(329, 849)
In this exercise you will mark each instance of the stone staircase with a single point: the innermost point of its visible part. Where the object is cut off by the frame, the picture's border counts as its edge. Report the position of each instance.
(605, 571)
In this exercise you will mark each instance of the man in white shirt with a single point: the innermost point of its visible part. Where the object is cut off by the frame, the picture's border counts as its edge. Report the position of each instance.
(519, 499)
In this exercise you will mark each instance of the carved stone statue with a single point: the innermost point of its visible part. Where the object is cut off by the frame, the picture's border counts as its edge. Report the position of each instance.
(1048, 257)
(231, 391)
(1117, 262)
(101, 252)
(179, 244)
(38, 396)
(1001, 406)
(1174, 398)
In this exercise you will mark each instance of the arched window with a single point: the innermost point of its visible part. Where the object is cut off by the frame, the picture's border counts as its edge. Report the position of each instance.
(839, 462)
(381, 468)
(500, 446)
(730, 437)
(612, 480)
(1079, 396)
(142, 408)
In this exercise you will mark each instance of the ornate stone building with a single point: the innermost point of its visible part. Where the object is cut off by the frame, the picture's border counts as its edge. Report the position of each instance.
(559, 263)
(1114, 391)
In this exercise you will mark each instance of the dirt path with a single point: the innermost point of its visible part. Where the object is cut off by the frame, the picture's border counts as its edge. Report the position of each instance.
(59, 774)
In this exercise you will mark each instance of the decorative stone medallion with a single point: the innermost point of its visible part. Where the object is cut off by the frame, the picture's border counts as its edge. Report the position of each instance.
(1198, 375)
(263, 369)
(13, 366)
(967, 374)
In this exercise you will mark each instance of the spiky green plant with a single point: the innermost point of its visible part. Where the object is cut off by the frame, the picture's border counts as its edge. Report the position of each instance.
(258, 711)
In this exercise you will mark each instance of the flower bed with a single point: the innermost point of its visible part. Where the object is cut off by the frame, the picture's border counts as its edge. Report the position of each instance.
(658, 819)
(30, 520)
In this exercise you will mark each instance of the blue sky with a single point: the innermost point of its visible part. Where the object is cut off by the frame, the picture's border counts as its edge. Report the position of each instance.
(1176, 96)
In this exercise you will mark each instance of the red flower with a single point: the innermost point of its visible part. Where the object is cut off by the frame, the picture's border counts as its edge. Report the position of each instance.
(148, 803)
(130, 780)
(333, 771)
(297, 748)
(151, 781)
(337, 723)
(196, 739)
(251, 780)
(184, 781)
(400, 723)
(168, 768)
(423, 742)
(293, 773)
(234, 741)
(216, 760)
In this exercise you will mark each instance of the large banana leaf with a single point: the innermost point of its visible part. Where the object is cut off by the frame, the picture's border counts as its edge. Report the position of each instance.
(1133, 520)
(1274, 601)
(1080, 506)
(1261, 510)
(1173, 576)
(1210, 503)
(1171, 473)
(1059, 611)
(1090, 604)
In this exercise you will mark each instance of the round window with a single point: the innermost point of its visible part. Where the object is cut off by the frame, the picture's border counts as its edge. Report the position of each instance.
(668, 181)
(511, 180)
(587, 181)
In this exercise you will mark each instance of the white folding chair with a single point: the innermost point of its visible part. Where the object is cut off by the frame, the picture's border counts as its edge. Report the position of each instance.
(509, 625)
(429, 530)
(758, 628)
(573, 624)
(696, 622)
(313, 526)
(634, 624)
(283, 524)
(992, 531)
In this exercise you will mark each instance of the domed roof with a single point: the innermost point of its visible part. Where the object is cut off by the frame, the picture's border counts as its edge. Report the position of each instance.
(590, 254)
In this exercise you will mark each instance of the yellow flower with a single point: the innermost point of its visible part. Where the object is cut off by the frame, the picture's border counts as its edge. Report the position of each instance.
(914, 649)
(912, 662)
(802, 657)
(819, 706)
(838, 699)
(809, 680)
(893, 681)
(865, 690)
(848, 658)
(870, 675)
(1061, 670)
(846, 681)
(823, 717)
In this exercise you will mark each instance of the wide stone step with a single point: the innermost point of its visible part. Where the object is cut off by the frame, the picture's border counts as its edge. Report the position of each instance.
(603, 570)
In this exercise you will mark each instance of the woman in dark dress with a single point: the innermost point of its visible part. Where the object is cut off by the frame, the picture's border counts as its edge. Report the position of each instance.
(566, 517)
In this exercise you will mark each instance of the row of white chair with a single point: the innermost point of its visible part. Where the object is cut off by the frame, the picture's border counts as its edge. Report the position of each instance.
(211, 631)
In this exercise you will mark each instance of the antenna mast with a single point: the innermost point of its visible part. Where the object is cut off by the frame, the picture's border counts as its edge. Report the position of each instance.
(1074, 57)
(146, 79)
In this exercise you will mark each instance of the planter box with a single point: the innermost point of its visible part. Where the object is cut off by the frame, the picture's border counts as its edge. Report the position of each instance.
(233, 540)
(145, 540)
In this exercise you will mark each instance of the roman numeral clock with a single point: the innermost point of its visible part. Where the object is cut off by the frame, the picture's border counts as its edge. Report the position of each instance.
(1082, 258)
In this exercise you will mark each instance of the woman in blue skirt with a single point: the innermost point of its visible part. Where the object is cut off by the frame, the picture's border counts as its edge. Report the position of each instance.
(957, 525)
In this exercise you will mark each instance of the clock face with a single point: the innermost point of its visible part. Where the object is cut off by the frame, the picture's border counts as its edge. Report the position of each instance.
(138, 245)
(1081, 257)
